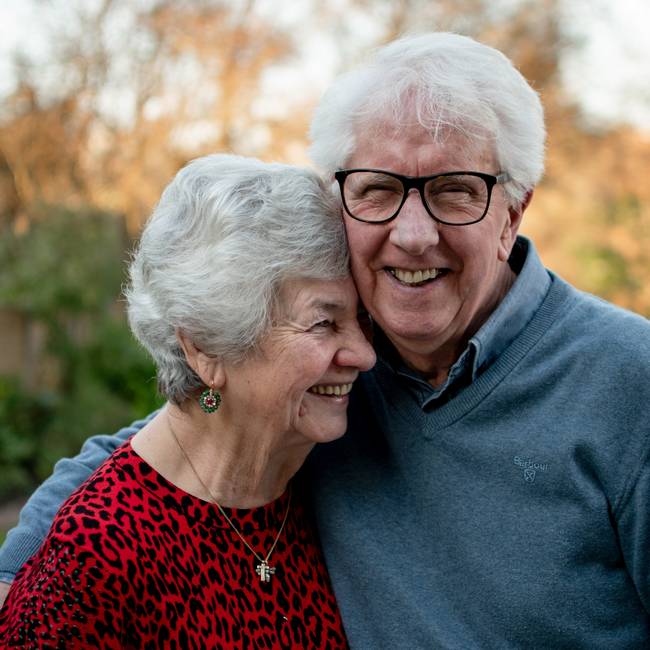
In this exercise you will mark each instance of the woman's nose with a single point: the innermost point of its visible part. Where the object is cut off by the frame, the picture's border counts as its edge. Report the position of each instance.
(357, 352)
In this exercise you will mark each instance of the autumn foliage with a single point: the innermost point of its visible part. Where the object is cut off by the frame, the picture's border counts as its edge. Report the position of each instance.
(130, 91)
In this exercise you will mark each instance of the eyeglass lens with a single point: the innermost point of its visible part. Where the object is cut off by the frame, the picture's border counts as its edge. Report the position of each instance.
(453, 198)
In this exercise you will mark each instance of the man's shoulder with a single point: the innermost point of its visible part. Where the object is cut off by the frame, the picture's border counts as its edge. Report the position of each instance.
(606, 310)
(596, 320)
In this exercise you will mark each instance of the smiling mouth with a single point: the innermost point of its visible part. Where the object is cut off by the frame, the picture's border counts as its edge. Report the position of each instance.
(331, 390)
(415, 278)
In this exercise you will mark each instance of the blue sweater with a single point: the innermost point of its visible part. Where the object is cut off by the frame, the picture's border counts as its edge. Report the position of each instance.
(510, 511)
(516, 514)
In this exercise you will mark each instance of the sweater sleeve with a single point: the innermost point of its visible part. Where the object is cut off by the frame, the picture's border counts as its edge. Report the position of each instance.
(633, 524)
(37, 514)
(59, 599)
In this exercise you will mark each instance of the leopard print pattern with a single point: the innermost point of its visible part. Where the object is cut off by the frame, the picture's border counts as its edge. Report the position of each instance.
(132, 561)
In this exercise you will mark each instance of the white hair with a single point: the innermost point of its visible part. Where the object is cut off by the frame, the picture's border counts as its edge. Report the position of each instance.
(226, 234)
(445, 82)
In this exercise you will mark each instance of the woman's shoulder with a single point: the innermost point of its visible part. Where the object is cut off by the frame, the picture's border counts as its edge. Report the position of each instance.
(105, 518)
(85, 559)
(112, 483)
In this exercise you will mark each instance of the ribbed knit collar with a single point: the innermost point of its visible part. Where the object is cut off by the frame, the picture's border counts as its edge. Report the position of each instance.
(511, 316)
(516, 309)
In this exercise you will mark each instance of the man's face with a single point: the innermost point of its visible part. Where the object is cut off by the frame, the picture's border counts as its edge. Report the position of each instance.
(430, 321)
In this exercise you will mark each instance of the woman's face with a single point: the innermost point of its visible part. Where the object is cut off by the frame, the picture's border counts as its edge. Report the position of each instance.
(299, 382)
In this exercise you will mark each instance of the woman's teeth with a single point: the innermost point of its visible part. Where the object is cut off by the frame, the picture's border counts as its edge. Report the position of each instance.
(414, 277)
(333, 389)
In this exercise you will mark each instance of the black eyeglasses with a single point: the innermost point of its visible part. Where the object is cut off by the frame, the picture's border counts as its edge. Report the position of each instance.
(452, 198)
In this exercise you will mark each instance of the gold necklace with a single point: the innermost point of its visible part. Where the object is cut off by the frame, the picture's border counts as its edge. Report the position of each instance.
(264, 570)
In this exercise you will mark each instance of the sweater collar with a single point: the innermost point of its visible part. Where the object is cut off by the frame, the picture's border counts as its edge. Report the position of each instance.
(516, 309)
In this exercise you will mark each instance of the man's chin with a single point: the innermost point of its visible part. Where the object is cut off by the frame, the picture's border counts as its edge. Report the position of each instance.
(414, 330)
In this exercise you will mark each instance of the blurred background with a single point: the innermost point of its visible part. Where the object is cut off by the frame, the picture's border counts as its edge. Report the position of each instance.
(103, 100)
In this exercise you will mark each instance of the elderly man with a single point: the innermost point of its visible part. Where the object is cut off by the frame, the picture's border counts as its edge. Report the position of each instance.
(492, 491)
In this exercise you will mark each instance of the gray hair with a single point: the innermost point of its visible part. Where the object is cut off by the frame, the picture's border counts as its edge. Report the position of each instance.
(447, 82)
(226, 234)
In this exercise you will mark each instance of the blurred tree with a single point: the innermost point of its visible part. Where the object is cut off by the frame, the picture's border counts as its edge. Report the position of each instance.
(65, 273)
(54, 270)
(131, 92)
(134, 89)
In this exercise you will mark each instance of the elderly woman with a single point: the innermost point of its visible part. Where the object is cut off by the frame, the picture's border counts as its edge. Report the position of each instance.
(191, 535)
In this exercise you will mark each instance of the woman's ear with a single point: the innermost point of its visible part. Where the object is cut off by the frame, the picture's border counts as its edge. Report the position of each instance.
(209, 369)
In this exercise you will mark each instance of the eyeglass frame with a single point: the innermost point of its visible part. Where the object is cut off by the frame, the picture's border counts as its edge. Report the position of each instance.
(418, 183)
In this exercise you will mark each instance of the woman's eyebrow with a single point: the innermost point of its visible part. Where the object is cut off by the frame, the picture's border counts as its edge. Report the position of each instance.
(326, 305)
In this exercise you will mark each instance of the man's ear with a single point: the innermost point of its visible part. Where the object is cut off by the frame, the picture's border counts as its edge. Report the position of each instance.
(511, 227)
(209, 369)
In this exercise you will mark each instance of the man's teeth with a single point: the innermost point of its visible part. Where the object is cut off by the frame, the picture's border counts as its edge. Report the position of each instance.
(414, 277)
(334, 389)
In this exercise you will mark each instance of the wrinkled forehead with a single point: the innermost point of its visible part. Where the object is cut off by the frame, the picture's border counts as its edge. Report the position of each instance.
(394, 146)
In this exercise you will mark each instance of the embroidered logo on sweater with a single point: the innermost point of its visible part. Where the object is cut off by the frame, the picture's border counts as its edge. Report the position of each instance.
(530, 467)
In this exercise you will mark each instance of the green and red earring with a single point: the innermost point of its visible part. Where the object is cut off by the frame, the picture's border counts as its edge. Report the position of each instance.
(209, 400)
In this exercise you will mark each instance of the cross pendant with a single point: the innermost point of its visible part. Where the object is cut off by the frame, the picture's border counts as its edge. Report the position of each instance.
(264, 571)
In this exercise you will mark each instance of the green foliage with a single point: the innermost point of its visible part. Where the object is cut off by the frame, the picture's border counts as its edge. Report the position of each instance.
(613, 264)
(625, 209)
(66, 272)
(24, 419)
(113, 383)
(67, 263)
(605, 272)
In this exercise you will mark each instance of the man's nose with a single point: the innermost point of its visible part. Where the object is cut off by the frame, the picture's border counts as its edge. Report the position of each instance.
(414, 230)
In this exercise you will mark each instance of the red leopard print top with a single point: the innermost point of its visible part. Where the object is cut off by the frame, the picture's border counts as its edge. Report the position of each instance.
(134, 562)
